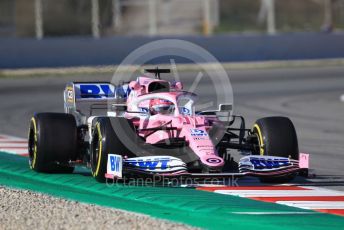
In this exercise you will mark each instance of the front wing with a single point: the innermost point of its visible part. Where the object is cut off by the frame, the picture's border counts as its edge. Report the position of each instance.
(171, 167)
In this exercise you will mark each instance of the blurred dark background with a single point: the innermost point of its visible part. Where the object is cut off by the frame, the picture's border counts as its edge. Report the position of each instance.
(63, 33)
(49, 18)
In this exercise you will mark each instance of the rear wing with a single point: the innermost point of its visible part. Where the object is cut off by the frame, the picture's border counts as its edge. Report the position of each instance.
(85, 99)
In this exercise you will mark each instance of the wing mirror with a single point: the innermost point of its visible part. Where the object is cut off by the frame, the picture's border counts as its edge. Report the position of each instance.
(225, 107)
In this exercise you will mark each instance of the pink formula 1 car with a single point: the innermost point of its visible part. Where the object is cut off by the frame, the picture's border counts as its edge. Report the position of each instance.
(149, 127)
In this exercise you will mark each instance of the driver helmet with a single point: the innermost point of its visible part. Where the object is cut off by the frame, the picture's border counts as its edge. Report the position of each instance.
(160, 106)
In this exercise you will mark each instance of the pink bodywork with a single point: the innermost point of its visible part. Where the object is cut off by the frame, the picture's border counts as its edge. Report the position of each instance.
(194, 128)
(304, 160)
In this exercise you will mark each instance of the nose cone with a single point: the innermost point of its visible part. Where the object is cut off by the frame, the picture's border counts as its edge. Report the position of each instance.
(212, 161)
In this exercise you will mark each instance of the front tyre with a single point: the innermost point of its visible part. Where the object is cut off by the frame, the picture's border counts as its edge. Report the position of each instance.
(52, 142)
(110, 135)
(276, 137)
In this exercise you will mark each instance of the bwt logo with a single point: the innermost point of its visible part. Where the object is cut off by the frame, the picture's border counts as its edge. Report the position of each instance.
(115, 163)
(198, 133)
(268, 163)
(96, 90)
(153, 164)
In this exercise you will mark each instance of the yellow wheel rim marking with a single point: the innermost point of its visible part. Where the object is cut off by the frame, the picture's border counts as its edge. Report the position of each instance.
(261, 144)
(35, 143)
(100, 150)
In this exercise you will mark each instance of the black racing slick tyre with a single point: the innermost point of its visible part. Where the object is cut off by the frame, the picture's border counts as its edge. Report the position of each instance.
(52, 142)
(276, 137)
(114, 135)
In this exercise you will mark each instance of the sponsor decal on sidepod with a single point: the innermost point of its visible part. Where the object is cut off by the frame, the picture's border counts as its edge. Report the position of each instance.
(198, 133)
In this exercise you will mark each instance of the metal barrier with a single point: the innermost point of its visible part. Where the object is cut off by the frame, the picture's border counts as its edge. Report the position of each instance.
(86, 51)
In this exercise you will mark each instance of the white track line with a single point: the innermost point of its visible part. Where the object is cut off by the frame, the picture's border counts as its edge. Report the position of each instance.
(13, 141)
(314, 204)
(11, 145)
(332, 203)
(278, 193)
(275, 213)
(323, 189)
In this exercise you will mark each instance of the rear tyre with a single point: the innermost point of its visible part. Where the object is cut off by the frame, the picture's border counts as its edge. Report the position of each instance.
(277, 137)
(52, 142)
(111, 135)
